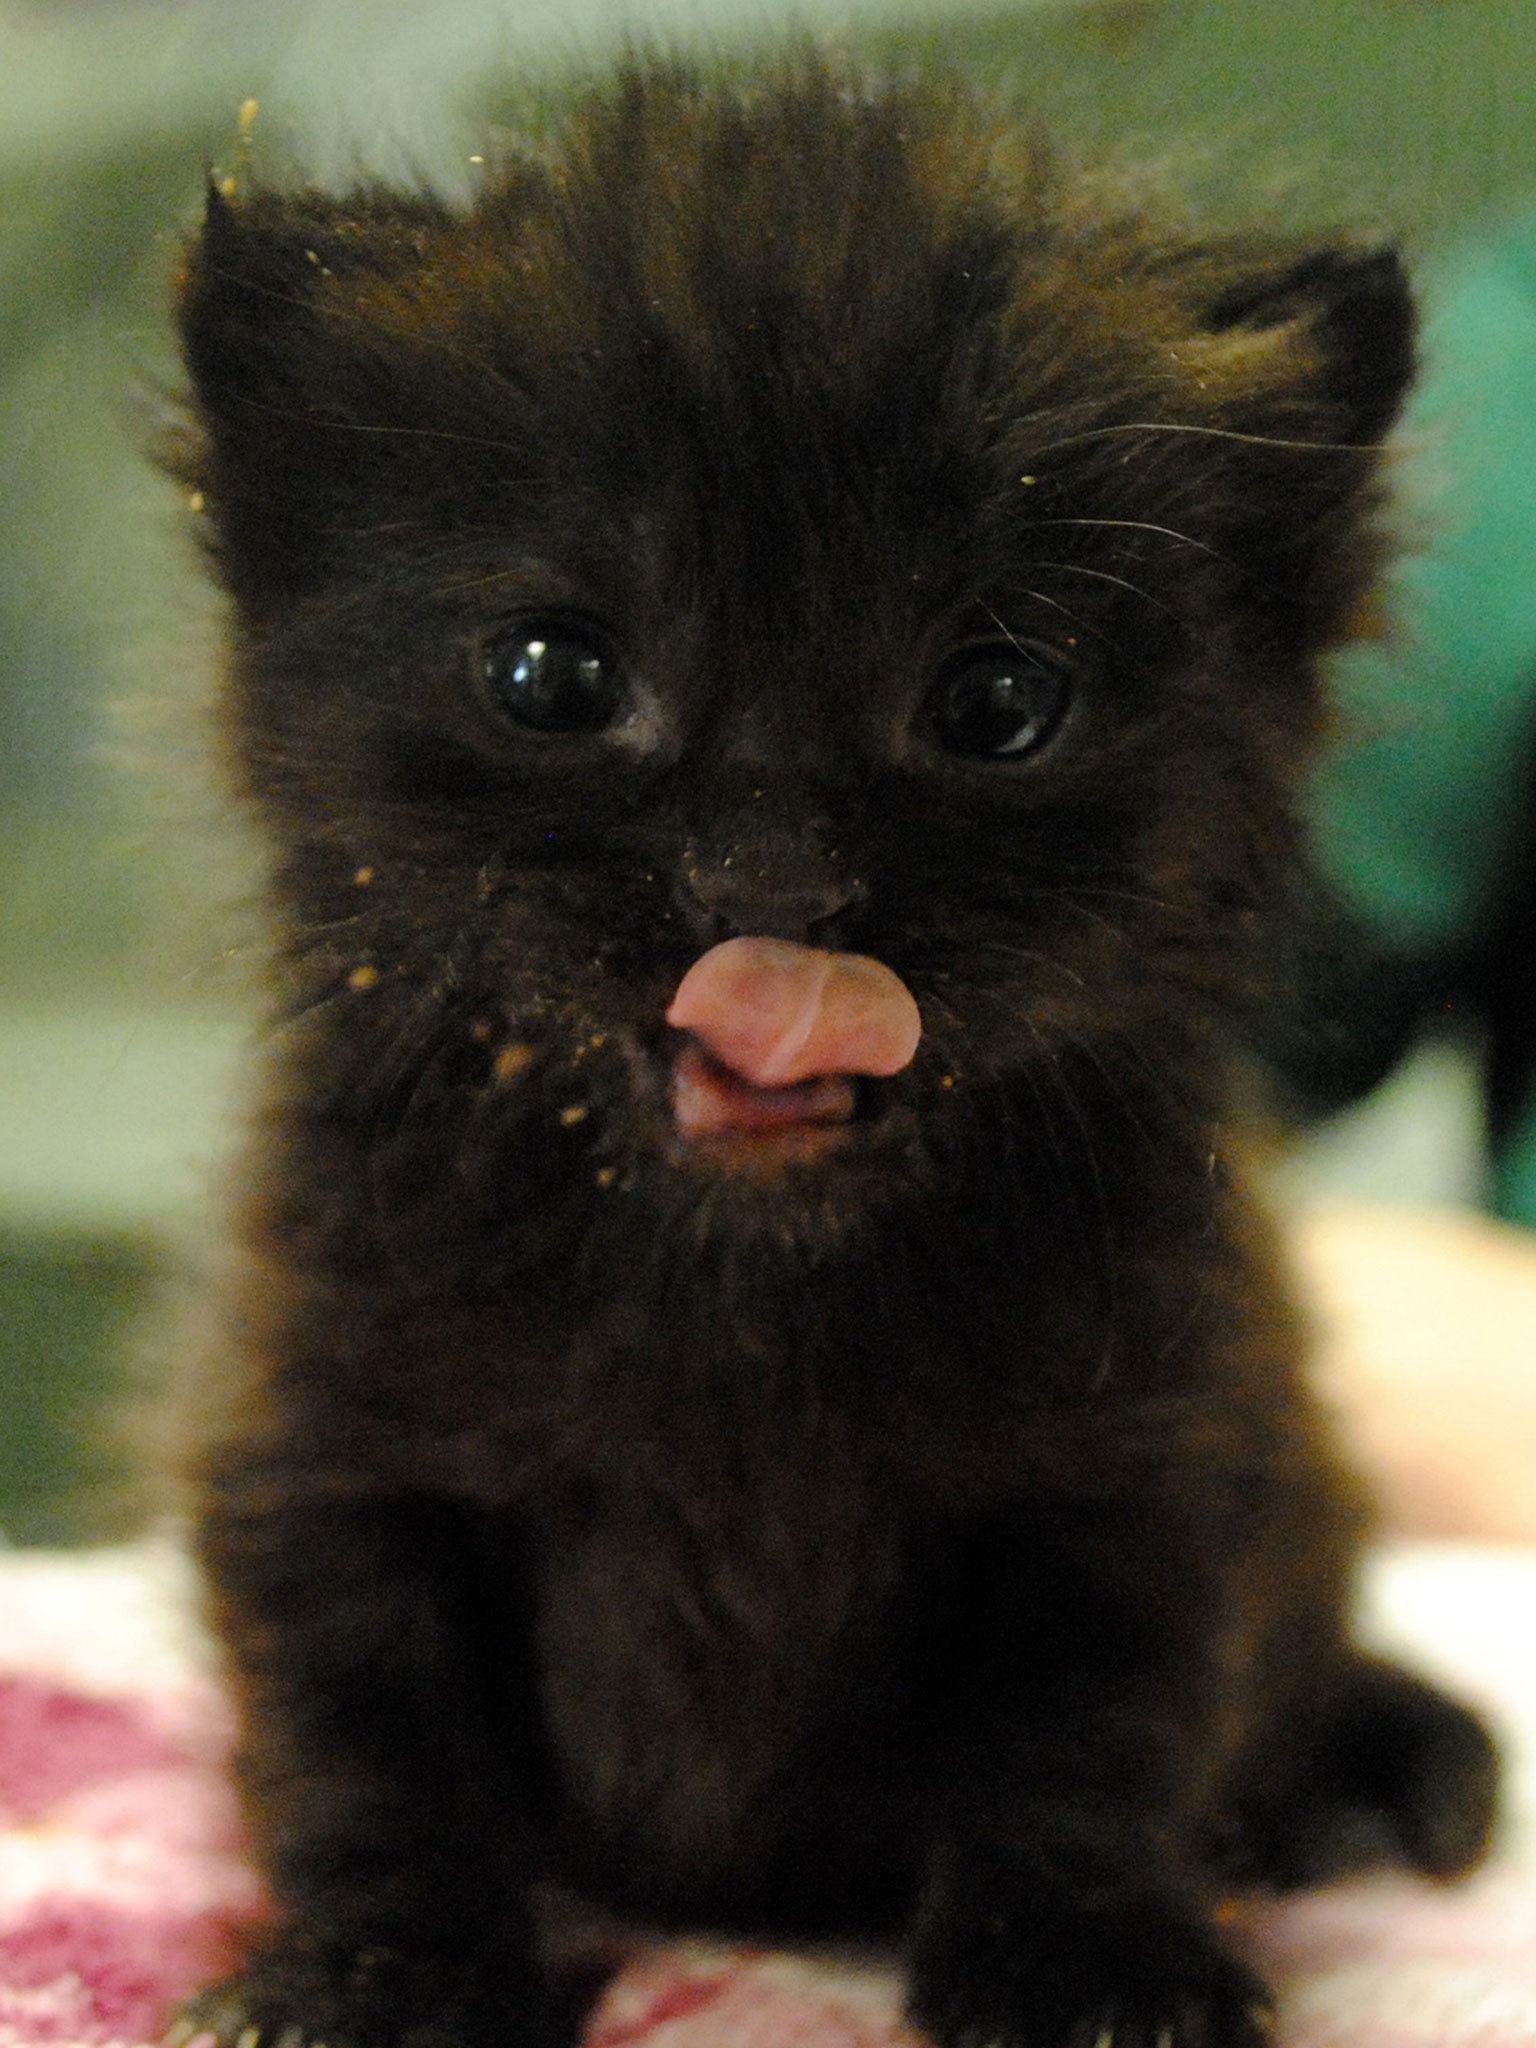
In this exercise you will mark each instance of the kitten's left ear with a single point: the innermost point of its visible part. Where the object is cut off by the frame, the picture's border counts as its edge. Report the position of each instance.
(1355, 308)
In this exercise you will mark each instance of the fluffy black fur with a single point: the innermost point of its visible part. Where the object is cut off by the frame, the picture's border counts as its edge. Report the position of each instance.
(925, 1533)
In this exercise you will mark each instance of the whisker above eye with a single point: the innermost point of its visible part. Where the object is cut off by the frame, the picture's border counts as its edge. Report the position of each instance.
(1188, 540)
(1234, 434)
(1104, 576)
(1074, 619)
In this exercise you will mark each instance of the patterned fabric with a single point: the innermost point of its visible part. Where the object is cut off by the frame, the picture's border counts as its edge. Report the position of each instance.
(122, 1885)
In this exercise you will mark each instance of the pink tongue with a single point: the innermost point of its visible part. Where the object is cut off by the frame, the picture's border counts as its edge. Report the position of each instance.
(788, 1025)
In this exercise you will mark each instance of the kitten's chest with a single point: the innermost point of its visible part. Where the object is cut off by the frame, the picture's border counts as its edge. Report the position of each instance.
(700, 1665)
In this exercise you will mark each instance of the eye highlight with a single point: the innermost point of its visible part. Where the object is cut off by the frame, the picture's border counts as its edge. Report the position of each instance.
(1000, 701)
(551, 675)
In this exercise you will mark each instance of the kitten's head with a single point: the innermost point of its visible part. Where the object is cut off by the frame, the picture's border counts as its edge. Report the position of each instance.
(786, 509)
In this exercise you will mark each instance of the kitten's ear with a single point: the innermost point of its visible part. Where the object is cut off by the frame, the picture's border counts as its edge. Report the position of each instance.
(287, 352)
(247, 299)
(1354, 310)
(281, 291)
(258, 360)
(1298, 368)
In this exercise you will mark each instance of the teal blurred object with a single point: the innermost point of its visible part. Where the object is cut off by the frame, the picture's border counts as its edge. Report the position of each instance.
(1424, 814)
(121, 997)
(1426, 820)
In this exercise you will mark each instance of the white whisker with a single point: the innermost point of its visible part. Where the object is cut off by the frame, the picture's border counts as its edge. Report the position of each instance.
(1209, 433)
(1134, 526)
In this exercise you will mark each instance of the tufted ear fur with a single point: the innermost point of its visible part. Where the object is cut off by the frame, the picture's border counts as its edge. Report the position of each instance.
(1355, 309)
(287, 376)
(1295, 367)
(267, 272)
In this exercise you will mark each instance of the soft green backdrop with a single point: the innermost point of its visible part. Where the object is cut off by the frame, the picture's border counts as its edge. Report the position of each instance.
(120, 928)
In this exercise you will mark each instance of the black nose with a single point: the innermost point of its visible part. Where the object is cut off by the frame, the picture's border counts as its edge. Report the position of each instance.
(766, 891)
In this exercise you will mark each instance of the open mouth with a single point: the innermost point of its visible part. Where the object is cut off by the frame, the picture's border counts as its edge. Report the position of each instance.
(780, 1038)
(709, 1100)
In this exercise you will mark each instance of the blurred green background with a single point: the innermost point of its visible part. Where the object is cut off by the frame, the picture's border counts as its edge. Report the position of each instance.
(121, 929)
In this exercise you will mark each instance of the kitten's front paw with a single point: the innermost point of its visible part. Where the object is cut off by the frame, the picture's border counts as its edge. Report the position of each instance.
(372, 1999)
(1126, 1980)
(238, 2014)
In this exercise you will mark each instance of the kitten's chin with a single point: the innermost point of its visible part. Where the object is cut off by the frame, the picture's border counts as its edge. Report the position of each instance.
(762, 1155)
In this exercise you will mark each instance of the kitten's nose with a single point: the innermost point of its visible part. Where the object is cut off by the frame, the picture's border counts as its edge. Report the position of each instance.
(767, 891)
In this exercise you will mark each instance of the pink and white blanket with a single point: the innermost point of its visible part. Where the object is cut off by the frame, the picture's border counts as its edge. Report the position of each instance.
(122, 1885)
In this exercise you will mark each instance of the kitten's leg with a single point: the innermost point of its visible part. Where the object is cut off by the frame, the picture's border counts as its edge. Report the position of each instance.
(1066, 1905)
(379, 1812)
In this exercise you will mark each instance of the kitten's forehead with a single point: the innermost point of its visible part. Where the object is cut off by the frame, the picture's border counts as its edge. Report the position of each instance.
(684, 196)
(805, 318)
(730, 374)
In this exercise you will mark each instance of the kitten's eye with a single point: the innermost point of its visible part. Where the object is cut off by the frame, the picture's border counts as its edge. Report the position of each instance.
(552, 676)
(1000, 701)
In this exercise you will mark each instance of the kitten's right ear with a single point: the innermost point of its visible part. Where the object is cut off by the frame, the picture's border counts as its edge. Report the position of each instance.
(251, 338)
(276, 287)
(277, 345)
(245, 300)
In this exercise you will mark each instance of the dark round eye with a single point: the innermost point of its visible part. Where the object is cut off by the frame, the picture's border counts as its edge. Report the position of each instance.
(552, 676)
(1000, 701)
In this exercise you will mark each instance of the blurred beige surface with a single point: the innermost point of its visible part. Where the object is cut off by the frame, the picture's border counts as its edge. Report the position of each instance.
(1427, 1328)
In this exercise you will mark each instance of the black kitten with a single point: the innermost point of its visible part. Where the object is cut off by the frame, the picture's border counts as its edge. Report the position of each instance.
(740, 1467)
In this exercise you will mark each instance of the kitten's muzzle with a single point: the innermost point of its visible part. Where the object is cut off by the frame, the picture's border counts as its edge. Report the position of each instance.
(780, 1033)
